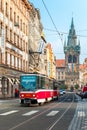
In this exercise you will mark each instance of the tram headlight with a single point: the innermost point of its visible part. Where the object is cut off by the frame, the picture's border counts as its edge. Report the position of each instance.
(33, 95)
(22, 95)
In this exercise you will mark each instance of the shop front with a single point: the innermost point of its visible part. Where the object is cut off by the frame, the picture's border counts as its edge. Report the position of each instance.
(9, 80)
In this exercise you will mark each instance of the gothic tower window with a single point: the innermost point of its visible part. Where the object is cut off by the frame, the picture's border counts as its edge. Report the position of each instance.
(74, 59)
(70, 59)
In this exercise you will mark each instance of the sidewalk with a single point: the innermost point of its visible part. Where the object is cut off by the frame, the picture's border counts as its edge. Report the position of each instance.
(8, 102)
(79, 121)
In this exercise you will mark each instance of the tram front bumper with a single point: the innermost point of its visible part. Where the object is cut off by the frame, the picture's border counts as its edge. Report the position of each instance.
(28, 101)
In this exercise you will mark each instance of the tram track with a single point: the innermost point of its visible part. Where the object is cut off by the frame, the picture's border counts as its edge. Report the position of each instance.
(58, 119)
(47, 107)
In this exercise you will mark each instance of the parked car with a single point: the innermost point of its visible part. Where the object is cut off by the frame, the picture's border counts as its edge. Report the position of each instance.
(64, 91)
(61, 92)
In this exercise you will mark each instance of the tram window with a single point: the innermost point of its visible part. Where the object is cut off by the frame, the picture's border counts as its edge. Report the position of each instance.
(43, 82)
(50, 84)
(46, 83)
(38, 82)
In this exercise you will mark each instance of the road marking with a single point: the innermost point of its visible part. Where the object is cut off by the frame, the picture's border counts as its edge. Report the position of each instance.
(52, 113)
(81, 113)
(30, 113)
(7, 113)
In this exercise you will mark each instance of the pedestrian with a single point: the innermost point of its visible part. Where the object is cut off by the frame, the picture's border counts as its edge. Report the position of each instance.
(16, 92)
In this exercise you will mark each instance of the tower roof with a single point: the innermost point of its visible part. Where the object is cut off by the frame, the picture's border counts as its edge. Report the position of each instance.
(72, 40)
(72, 24)
(72, 35)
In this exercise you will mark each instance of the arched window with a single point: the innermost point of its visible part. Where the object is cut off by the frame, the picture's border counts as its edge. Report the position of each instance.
(74, 59)
(70, 59)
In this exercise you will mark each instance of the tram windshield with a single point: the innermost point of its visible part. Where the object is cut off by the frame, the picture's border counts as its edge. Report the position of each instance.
(28, 83)
(33, 82)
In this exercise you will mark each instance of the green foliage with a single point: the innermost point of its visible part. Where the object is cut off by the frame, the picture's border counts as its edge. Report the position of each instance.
(76, 86)
(63, 86)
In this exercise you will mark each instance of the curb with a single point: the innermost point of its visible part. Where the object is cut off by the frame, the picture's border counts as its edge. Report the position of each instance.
(79, 121)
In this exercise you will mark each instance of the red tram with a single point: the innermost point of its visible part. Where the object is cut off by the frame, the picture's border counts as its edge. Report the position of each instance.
(37, 88)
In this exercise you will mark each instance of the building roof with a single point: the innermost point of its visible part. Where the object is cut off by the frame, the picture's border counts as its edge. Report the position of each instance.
(82, 66)
(60, 63)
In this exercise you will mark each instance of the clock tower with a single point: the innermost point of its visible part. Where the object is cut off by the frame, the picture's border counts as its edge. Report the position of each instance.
(72, 53)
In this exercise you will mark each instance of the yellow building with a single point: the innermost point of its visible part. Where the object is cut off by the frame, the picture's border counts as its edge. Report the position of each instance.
(51, 62)
(14, 22)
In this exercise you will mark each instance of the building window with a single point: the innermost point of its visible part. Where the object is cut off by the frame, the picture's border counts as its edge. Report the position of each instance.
(21, 24)
(11, 14)
(59, 77)
(45, 51)
(7, 33)
(74, 59)
(14, 38)
(0, 28)
(12, 60)
(70, 59)
(16, 62)
(62, 73)
(62, 77)
(0, 4)
(11, 35)
(18, 21)
(24, 27)
(8, 58)
(58, 73)
(6, 9)
(18, 41)
(14, 18)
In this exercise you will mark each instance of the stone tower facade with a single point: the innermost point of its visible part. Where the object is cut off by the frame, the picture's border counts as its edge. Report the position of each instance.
(72, 53)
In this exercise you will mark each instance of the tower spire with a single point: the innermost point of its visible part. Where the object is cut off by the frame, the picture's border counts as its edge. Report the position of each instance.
(72, 24)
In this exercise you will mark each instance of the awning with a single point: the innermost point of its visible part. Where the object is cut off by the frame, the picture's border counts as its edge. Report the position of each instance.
(17, 80)
(13, 79)
(10, 81)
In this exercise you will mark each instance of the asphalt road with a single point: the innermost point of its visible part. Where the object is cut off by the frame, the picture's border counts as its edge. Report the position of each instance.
(55, 115)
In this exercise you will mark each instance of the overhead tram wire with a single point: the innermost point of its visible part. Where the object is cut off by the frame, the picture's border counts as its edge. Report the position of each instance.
(52, 20)
(59, 34)
(65, 33)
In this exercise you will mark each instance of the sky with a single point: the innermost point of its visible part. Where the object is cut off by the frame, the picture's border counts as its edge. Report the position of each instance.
(56, 16)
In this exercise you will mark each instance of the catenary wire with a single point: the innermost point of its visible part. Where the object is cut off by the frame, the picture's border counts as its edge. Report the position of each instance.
(64, 33)
(52, 21)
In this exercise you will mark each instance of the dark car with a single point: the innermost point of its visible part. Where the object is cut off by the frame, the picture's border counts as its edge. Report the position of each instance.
(83, 95)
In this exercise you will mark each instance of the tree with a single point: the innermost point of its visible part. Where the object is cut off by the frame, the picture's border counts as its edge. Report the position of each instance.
(63, 86)
(76, 86)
